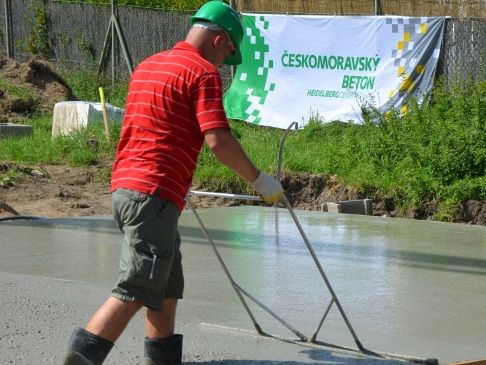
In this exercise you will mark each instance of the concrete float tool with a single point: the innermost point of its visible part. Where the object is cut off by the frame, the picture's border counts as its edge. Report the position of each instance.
(303, 340)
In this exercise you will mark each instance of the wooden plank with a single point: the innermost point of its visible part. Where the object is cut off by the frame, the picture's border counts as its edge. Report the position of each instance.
(470, 362)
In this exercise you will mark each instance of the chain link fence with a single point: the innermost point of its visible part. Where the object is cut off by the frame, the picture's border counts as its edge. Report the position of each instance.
(453, 8)
(463, 54)
(76, 33)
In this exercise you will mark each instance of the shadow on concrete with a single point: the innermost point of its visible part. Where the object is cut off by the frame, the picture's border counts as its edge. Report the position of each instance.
(333, 360)
(319, 356)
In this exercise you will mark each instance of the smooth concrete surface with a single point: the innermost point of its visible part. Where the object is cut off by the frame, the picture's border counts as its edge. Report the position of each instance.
(408, 287)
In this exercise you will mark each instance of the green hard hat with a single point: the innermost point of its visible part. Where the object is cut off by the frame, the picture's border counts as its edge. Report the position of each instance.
(226, 17)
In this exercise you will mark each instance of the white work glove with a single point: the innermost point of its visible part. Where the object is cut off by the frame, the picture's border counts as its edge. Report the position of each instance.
(268, 187)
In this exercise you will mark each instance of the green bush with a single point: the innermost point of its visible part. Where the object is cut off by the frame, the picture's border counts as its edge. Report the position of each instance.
(436, 150)
(37, 42)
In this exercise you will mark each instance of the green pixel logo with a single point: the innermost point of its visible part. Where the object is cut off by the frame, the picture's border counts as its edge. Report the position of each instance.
(250, 82)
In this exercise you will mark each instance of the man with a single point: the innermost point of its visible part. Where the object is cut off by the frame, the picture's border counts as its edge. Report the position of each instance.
(174, 105)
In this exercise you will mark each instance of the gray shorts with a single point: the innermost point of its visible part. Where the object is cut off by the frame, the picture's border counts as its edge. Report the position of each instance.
(150, 262)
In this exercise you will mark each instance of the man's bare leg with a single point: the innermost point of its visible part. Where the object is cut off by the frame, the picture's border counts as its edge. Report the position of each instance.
(112, 317)
(162, 346)
(161, 323)
(92, 345)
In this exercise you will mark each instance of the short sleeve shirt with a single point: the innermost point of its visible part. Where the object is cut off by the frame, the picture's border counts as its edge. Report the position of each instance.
(173, 98)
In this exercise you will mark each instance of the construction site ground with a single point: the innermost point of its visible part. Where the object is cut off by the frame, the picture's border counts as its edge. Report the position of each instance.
(408, 287)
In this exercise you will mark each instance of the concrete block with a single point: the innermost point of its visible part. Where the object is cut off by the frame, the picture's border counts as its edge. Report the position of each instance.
(12, 129)
(361, 206)
(333, 207)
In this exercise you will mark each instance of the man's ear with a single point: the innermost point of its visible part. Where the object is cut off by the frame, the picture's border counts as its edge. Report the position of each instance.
(218, 40)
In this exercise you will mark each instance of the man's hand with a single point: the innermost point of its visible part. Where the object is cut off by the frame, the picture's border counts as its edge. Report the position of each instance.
(268, 187)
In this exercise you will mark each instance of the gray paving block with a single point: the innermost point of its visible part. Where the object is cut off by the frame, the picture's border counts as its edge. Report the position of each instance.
(360, 206)
(12, 129)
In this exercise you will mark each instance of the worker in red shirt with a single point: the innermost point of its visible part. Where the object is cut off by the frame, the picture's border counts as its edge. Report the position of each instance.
(174, 105)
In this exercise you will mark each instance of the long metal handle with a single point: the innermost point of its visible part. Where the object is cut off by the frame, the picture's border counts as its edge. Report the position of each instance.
(279, 168)
(280, 148)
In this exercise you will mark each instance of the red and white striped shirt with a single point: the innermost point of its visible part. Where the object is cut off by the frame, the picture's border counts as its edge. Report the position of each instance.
(174, 97)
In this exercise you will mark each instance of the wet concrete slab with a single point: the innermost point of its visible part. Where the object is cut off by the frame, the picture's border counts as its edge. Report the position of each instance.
(409, 287)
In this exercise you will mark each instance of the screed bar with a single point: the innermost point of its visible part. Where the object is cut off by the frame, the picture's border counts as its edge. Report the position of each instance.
(239, 291)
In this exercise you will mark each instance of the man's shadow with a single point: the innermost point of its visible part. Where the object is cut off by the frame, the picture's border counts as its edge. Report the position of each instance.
(319, 356)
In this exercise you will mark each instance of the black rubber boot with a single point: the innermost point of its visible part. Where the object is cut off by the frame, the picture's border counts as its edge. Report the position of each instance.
(165, 351)
(85, 348)
(177, 351)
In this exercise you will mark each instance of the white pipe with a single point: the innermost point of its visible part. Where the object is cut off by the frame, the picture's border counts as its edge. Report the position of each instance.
(225, 195)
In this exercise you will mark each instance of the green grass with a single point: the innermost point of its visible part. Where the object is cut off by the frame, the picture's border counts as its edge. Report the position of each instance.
(436, 153)
(8, 177)
(15, 90)
(86, 147)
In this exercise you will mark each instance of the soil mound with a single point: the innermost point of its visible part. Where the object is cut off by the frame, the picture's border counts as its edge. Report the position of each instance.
(27, 87)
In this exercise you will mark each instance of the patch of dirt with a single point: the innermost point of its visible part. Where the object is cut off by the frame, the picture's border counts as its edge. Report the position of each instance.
(472, 211)
(57, 191)
(60, 191)
(36, 77)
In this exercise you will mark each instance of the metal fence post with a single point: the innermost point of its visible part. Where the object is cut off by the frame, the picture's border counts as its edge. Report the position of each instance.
(114, 30)
(8, 27)
(377, 7)
(113, 42)
(233, 68)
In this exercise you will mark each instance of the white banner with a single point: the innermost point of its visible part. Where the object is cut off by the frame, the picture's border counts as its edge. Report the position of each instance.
(295, 67)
